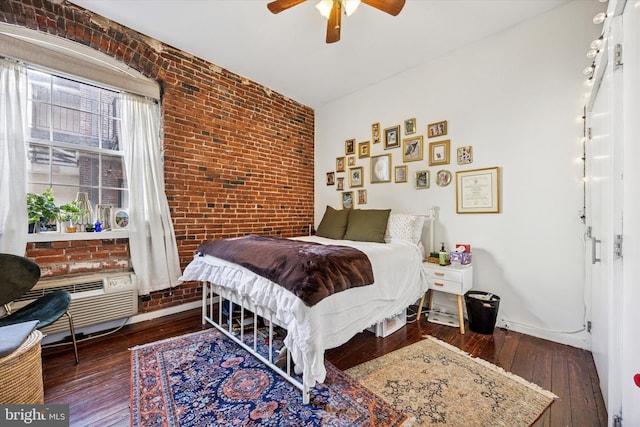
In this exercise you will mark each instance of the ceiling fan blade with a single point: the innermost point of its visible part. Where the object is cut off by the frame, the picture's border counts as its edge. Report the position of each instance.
(278, 6)
(334, 22)
(392, 7)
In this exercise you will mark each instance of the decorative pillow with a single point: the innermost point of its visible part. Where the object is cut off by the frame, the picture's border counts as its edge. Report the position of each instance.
(333, 224)
(367, 225)
(404, 227)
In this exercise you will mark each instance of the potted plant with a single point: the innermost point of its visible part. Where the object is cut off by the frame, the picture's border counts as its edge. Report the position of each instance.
(68, 215)
(41, 209)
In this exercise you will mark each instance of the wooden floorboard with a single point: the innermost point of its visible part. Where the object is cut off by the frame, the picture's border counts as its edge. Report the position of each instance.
(98, 389)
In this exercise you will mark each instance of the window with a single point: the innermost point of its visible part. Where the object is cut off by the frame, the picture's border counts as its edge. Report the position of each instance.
(73, 140)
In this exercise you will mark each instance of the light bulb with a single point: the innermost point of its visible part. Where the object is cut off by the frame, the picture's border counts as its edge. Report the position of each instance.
(599, 18)
(350, 6)
(324, 7)
(588, 71)
(596, 44)
(592, 53)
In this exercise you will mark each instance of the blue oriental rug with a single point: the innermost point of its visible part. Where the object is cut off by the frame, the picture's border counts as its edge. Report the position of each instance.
(205, 379)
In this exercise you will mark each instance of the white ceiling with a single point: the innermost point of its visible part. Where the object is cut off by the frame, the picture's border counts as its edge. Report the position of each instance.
(287, 52)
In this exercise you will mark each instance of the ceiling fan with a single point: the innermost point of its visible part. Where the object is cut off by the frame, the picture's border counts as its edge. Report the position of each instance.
(332, 10)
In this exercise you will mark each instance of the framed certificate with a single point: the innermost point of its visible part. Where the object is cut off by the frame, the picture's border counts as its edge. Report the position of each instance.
(478, 191)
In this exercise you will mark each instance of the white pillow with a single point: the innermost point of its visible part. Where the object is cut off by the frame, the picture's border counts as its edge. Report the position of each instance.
(404, 227)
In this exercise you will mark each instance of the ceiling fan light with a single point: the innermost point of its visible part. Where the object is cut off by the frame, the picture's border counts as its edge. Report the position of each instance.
(324, 7)
(350, 6)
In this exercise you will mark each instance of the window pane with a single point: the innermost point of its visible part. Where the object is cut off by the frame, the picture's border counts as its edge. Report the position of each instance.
(110, 133)
(113, 172)
(39, 86)
(75, 95)
(115, 198)
(39, 120)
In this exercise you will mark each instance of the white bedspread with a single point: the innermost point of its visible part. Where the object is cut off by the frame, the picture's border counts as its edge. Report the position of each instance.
(399, 282)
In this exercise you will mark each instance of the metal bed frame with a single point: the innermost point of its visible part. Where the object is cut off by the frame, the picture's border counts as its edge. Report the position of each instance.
(209, 301)
(213, 295)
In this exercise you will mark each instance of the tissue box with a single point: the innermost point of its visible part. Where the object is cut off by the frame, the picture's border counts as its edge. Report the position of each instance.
(460, 257)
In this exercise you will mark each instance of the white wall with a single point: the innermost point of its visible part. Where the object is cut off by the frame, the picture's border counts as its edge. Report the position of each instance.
(517, 98)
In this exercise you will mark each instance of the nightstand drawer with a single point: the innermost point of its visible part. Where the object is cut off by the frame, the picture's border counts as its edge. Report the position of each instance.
(452, 287)
(445, 275)
(454, 280)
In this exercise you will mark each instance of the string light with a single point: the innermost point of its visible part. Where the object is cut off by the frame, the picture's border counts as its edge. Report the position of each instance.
(588, 71)
(599, 18)
(597, 43)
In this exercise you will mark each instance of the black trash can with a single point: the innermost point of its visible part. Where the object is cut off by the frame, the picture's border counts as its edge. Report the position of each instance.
(482, 310)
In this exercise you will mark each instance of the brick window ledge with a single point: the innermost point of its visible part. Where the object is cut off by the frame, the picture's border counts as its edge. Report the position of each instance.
(53, 236)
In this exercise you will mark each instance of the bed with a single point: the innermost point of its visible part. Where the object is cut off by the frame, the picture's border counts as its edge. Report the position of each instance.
(396, 256)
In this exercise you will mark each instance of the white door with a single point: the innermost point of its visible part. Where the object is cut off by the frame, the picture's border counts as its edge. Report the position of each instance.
(631, 242)
(604, 219)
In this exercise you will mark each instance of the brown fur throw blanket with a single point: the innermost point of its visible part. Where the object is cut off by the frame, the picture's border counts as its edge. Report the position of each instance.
(312, 271)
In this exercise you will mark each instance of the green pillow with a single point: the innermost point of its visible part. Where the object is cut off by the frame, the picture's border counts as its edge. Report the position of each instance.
(333, 224)
(367, 225)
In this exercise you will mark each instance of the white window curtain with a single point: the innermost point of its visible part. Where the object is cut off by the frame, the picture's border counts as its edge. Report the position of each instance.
(13, 169)
(154, 252)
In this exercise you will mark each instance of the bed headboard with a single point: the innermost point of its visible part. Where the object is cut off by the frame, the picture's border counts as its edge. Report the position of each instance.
(428, 230)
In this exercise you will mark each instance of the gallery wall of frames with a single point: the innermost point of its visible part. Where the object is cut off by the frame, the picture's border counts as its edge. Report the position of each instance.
(385, 158)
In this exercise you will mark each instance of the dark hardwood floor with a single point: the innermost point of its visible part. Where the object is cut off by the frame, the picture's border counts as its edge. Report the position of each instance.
(98, 389)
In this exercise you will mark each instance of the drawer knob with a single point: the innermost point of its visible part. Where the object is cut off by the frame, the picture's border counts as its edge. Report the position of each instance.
(439, 274)
(438, 284)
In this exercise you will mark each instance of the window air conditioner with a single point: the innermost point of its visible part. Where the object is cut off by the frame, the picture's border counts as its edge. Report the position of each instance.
(95, 298)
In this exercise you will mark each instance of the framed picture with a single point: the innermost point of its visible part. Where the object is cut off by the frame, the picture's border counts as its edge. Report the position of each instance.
(478, 191)
(392, 137)
(465, 155)
(340, 166)
(347, 200)
(443, 178)
(422, 179)
(331, 178)
(409, 126)
(351, 160)
(355, 177)
(363, 150)
(340, 184)
(412, 149)
(362, 197)
(349, 147)
(103, 215)
(375, 133)
(401, 174)
(120, 219)
(437, 129)
(439, 153)
(381, 168)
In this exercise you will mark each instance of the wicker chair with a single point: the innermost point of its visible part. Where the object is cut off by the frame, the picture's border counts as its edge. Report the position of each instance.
(18, 275)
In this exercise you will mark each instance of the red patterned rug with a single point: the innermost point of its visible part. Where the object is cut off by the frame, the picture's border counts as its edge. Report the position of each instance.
(204, 379)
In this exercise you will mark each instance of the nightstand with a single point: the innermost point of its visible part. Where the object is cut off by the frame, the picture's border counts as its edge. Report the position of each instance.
(454, 279)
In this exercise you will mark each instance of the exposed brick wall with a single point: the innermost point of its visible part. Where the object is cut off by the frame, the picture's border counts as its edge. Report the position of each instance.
(238, 157)
(80, 256)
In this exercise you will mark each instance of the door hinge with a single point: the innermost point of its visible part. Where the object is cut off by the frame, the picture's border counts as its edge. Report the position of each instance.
(617, 246)
(618, 56)
(617, 421)
(588, 133)
(589, 326)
